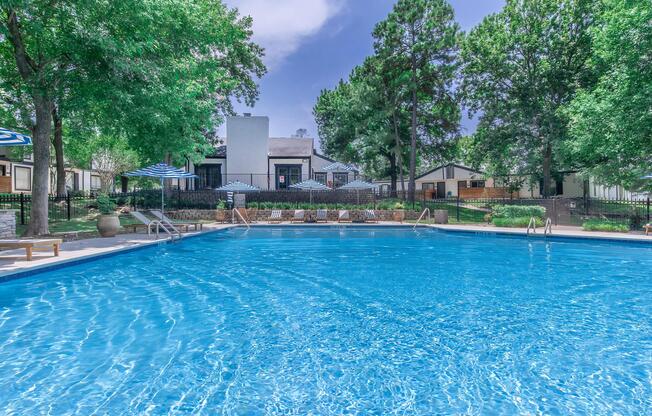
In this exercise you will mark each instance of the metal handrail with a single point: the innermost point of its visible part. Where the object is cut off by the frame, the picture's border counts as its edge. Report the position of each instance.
(421, 217)
(235, 211)
(548, 227)
(532, 225)
(160, 225)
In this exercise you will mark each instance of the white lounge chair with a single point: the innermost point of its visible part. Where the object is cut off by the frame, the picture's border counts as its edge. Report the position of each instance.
(276, 217)
(299, 215)
(370, 216)
(149, 224)
(344, 216)
(322, 215)
(174, 224)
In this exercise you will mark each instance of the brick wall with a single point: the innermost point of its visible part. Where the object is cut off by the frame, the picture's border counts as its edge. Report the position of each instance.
(287, 215)
(7, 224)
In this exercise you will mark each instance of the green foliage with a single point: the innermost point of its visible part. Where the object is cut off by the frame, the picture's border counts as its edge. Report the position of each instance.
(518, 211)
(520, 67)
(604, 225)
(515, 222)
(385, 205)
(611, 121)
(220, 204)
(105, 204)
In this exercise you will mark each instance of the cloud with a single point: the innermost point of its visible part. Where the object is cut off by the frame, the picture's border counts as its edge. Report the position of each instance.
(280, 26)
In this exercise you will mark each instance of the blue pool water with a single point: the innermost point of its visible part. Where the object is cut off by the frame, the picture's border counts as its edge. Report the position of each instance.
(335, 321)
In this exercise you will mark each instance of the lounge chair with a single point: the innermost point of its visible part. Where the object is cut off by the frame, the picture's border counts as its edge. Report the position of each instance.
(647, 228)
(344, 216)
(299, 215)
(276, 217)
(150, 225)
(184, 225)
(370, 216)
(31, 245)
(322, 215)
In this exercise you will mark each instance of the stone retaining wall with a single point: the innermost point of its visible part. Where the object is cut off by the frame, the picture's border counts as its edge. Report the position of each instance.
(287, 215)
(7, 223)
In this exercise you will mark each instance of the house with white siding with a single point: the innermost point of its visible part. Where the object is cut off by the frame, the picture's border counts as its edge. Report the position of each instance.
(248, 154)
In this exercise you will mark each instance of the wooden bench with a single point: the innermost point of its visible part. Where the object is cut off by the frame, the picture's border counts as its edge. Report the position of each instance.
(31, 245)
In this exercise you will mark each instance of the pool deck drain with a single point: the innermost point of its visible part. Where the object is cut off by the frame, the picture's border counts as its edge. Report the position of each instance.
(13, 261)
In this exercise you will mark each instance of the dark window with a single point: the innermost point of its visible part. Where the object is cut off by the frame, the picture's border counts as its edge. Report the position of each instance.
(340, 179)
(96, 182)
(560, 187)
(3, 170)
(427, 186)
(321, 177)
(209, 176)
(287, 175)
(477, 184)
(450, 172)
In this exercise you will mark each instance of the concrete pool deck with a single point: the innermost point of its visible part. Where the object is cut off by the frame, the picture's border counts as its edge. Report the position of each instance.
(14, 261)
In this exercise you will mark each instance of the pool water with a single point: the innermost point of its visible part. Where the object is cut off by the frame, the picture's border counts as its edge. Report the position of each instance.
(331, 321)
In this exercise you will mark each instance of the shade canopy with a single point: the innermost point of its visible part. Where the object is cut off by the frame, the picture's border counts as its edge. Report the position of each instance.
(359, 185)
(11, 138)
(338, 167)
(161, 171)
(310, 185)
(237, 186)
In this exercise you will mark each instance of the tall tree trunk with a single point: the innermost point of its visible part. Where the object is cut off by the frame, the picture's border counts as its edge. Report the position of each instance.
(28, 70)
(413, 132)
(547, 169)
(392, 173)
(38, 223)
(58, 152)
(399, 154)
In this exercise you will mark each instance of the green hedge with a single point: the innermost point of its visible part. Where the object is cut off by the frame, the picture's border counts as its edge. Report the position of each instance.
(518, 211)
(381, 205)
(518, 222)
(605, 225)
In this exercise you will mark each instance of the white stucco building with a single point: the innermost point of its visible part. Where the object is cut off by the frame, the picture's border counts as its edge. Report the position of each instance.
(249, 155)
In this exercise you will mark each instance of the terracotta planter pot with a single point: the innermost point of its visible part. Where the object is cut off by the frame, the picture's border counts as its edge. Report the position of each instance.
(108, 225)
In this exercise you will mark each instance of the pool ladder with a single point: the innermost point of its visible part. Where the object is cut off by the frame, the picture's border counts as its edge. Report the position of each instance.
(169, 228)
(234, 211)
(532, 225)
(427, 210)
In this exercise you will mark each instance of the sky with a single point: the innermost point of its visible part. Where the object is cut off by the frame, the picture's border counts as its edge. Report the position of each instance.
(311, 44)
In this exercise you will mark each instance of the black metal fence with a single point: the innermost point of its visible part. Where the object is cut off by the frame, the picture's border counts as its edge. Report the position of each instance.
(562, 211)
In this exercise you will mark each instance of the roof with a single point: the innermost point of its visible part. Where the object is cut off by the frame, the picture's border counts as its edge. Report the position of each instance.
(290, 147)
(449, 164)
(219, 152)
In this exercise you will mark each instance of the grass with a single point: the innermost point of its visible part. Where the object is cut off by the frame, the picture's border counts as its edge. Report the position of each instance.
(82, 225)
(605, 225)
(467, 215)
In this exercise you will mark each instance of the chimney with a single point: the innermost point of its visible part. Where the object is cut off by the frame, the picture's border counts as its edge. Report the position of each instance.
(247, 114)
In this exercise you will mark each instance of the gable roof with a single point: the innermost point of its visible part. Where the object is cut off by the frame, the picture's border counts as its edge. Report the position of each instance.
(449, 164)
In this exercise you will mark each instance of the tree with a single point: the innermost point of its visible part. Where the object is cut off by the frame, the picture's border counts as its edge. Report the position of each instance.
(611, 121)
(419, 39)
(520, 68)
(109, 66)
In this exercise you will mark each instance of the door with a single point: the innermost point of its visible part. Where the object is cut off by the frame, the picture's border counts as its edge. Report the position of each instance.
(441, 189)
(209, 176)
(287, 175)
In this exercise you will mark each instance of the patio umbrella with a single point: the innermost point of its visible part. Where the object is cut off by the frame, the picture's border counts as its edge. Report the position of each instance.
(162, 171)
(357, 186)
(310, 185)
(338, 167)
(237, 186)
(11, 138)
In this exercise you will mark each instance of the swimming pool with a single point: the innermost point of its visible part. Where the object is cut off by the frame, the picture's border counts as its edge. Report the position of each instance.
(335, 320)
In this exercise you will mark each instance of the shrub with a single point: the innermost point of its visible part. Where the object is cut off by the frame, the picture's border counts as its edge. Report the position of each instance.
(518, 222)
(605, 225)
(220, 204)
(105, 204)
(518, 211)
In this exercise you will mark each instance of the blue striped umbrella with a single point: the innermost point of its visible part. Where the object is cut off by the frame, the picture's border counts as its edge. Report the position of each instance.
(11, 138)
(237, 186)
(310, 185)
(358, 185)
(338, 167)
(162, 171)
